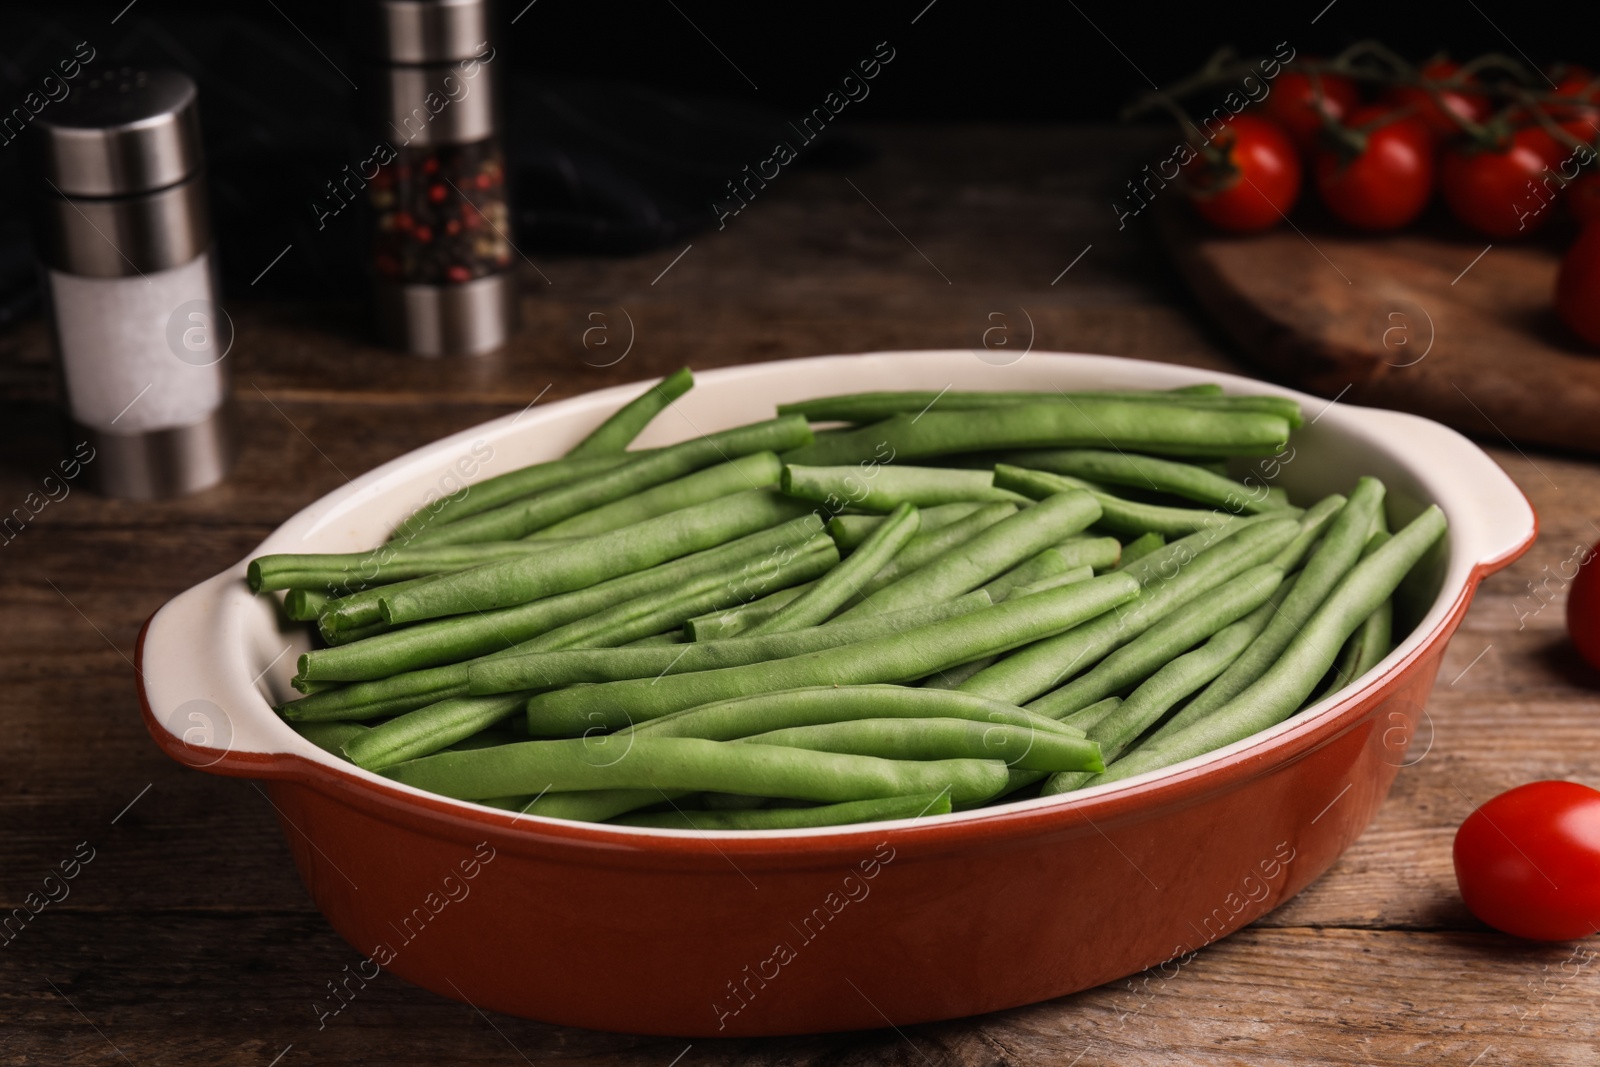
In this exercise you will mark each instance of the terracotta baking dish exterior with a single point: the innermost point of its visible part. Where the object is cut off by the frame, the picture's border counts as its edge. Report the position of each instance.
(695, 935)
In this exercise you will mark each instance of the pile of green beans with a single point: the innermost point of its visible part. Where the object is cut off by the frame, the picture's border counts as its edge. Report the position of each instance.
(958, 599)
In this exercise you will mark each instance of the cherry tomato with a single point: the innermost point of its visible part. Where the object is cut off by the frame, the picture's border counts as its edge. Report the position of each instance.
(1528, 861)
(1499, 193)
(1583, 199)
(1248, 177)
(1583, 608)
(1388, 182)
(1295, 99)
(1571, 80)
(1440, 75)
(1578, 286)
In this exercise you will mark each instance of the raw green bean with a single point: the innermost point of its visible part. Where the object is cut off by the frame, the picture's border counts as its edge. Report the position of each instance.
(381, 697)
(1032, 671)
(935, 739)
(503, 489)
(487, 739)
(1165, 428)
(345, 637)
(1066, 577)
(429, 729)
(667, 763)
(728, 720)
(1165, 562)
(304, 605)
(615, 434)
(1085, 719)
(330, 736)
(1140, 547)
(1313, 524)
(1333, 558)
(672, 637)
(1117, 729)
(1087, 550)
(848, 531)
(359, 611)
(988, 555)
(1286, 684)
(521, 518)
(1370, 643)
(454, 639)
(950, 678)
(1146, 472)
(929, 545)
(548, 669)
(828, 593)
(754, 471)
(1184, 676)
(384, 564)
(1185, 627)
(593, 805)
(1118, 515)
(881, 488)
(708, 593)
(884, 810)
(741, 618)
(1047, 564)
(608, 555)
(616, 625)
(872, 407)
(893, 658)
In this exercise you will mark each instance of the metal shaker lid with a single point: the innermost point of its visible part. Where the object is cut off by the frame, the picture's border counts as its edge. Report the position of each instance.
(125, 131)
(428, 31)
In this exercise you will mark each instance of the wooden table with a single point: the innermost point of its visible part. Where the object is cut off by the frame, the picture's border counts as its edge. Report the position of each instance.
(188, 939)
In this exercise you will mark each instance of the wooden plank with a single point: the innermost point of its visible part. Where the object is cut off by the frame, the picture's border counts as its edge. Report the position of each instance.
(243, 988)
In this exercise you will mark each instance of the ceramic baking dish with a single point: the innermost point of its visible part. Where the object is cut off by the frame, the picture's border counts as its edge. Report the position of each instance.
(677, 932)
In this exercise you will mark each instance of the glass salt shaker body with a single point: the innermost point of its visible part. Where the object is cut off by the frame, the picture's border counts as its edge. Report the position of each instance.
(125, 244)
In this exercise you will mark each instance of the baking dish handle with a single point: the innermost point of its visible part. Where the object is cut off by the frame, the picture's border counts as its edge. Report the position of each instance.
(198, 697)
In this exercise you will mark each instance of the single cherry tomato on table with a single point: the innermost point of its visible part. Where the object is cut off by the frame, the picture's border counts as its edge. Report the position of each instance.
(1442, 76)
(1247, 178)
(1578, 286)
(1528, 861)
(1381, 175)
(1498, 192)
(1583, 608)
(1300, 98)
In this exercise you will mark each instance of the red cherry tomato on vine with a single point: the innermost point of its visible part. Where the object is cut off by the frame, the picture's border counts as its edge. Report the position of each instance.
(1440, 75)
(1528, 861)
(1583, 608)
(1571, 80)
(1583, 199)
(1248, 178)
(1499, 193)
(1298, 99)
(1385, 185)
(1578, 286)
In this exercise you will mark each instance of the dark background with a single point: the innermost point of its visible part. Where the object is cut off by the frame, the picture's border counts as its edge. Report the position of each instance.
(625, 119)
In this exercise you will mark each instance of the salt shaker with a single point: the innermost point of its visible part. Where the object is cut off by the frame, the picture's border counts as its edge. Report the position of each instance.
(441, 218)
(124, 240)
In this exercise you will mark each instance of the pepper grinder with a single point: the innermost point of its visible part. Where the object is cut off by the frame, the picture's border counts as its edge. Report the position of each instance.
(125, 243)
(441, 219)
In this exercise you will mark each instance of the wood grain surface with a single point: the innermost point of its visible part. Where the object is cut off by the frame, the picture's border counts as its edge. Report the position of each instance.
(187, 939)
(1433, 320)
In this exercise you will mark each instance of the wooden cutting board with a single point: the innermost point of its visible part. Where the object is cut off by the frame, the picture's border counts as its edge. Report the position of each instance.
(1406, 321)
